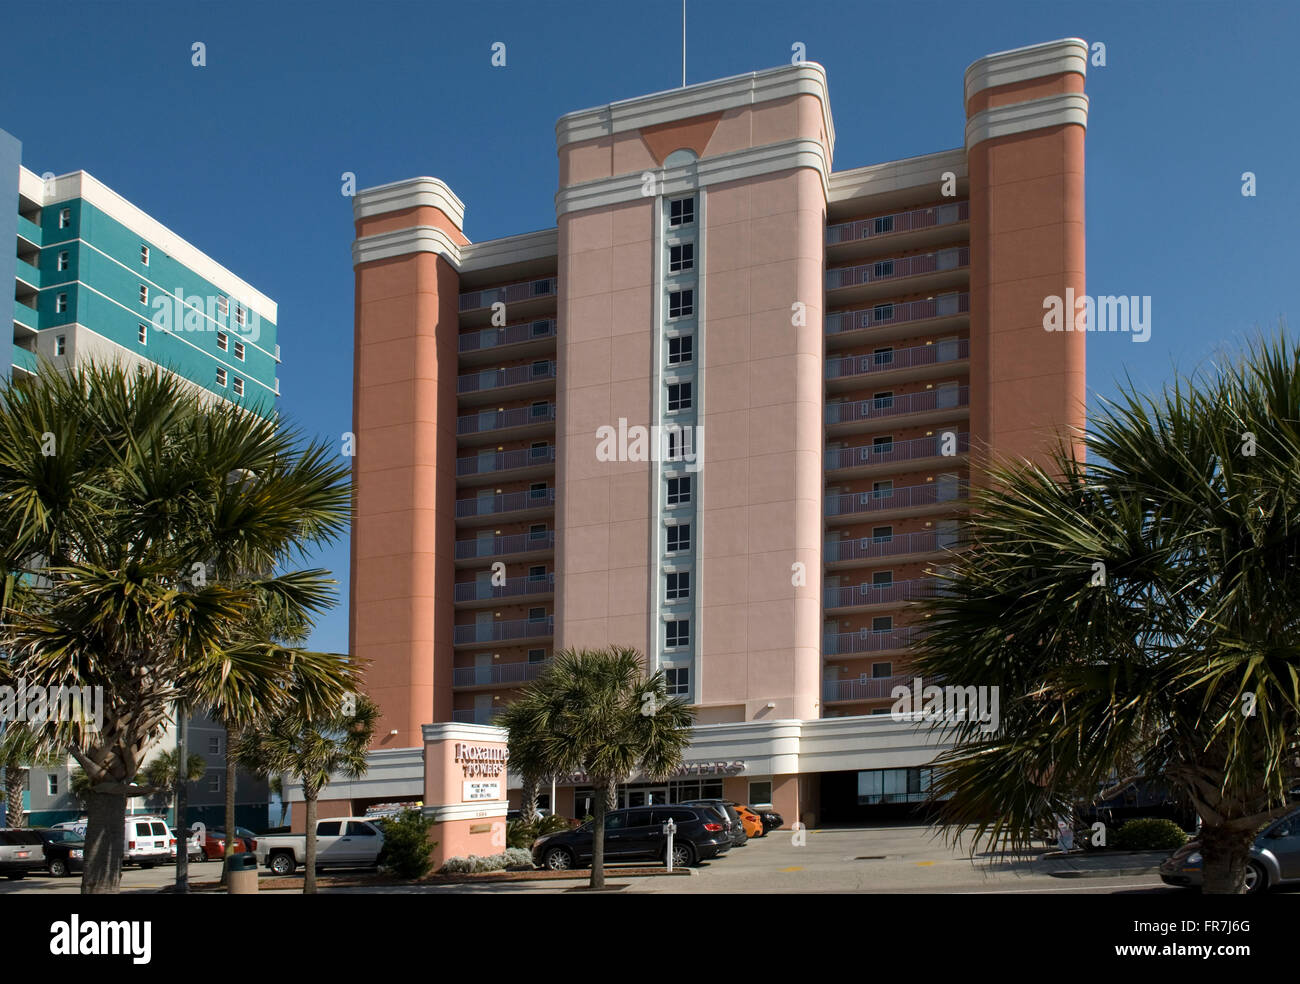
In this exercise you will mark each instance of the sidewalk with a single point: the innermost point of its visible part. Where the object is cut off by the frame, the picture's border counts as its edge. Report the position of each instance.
(1107, 864)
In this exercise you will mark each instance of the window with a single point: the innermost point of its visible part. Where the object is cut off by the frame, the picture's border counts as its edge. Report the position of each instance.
(883, 356)
(223, 341)
(882, 445)
(223, 305)
(214, 744)
(537, 531)
(60, 303)
(883, 268)
(214, 782)
(537, 573)
(883, 223)
(541, 328)
(681, 258)
(329, 828)
(681, 303)
(540, 410)
(681, 211)
(143, 332)
(882, 312)
(883, 401)
(239, 351)
(882, 578)
(221, 376)
(679, 397)
(679, 490)
(65, 218)
(677, 632)
(679, 537)
(61, 345)
(882, 490)
(882, 671)
(64, 258)
(537, 490)
(144, 294)
(539, 451)
(882, 534)
(144, 254)
(537, 614)
(239, 386)
(541, 369)
(681, 350)
(882, 623)
(239, 314)
(679, 586)
(356, 829)
(678, 679)
(52, 784)
(760, 793)
(537, 655)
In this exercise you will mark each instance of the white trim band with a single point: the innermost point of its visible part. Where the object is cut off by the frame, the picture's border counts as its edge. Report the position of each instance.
(401, 242)
(1037, 114)
(409, 193)
(1031, 62)
(893, 176)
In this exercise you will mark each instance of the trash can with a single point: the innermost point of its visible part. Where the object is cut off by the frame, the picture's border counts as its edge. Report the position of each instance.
(241, 874)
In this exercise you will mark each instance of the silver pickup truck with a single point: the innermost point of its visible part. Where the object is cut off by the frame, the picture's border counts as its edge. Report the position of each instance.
(341, 842)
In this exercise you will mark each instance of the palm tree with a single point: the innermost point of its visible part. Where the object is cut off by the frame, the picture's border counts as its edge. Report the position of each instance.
(1138, 614)
(19, 751)
(595, 712)
(124, 546)
(313, 742)
(163, 775)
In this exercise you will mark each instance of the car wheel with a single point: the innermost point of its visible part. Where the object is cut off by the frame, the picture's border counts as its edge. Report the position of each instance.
(558, 859)
(1256, 878)
(57, 868)
(283, 864)
(683, 855)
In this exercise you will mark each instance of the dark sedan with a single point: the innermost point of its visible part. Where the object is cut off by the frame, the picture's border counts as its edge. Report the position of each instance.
(637, 834)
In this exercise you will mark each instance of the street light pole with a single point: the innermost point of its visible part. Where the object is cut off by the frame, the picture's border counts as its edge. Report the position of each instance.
(182, 804)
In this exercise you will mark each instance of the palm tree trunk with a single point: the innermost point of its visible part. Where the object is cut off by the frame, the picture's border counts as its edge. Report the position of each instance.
(230, 801)
(528, 800)
(182, 805)
(310, 792)
(603, 793)
(1223, 859)
(105, 846)
(15, 782)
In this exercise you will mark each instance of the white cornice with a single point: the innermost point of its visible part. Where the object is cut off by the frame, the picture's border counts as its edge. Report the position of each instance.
(400, 242)
(410, 193)
(892, 176)
(747, 163)
(1031, 62)
(539, 245)
(81, 184)
(454, 730)
(1037, 114)
(699, 100)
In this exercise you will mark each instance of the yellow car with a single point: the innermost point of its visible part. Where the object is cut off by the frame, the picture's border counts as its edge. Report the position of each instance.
(752, 821)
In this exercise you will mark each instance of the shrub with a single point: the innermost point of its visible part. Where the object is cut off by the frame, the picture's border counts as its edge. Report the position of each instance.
(475, 865)
(521, 834)
(1149, 834)
(406, 845)
(517, 857)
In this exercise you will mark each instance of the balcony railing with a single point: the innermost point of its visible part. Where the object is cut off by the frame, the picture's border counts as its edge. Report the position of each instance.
(481, 676)
(897, 222)
(854, 595)
(506, 502)
(476, 716)
(896, 451)
(528, 628)
(499, 461)
(897, 268)
(503, 546)
(907, 497)
(473, 300)
(525, 331)
(488, 379)
(876, 688)
(927, 401)
(490, 420)
(867, 641)
(879, 315)
(514, 587)
(890, 360)
(873, 548)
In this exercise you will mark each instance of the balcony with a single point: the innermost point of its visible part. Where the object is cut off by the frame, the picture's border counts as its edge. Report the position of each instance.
(524, 300)
(514, 381)
(476, 715)
(502, 547)
(489, 425)
(523, 338)
(914, 228)
(922, 271)
(866, 549)
(500, 673)
(518, 630)
(512, 505)
(912, 499)
(868, 641)
(916, 362)
(878, 688)
(487, 466)
(944, 403)
(27, 274)
(24, 361)
(870, 459)
(470, 592)
(29, 230)
(883, 322)
(859, 596)
(26, 320)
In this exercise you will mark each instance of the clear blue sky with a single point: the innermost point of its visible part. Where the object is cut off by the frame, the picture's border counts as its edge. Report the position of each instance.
(244, 157)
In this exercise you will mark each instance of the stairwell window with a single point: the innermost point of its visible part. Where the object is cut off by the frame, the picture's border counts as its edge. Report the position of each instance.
(678, 681)
(65, 218)
(679, 537)
(677, 633)
(681, 303)
(678, 587)
(143, 333)
(64, 259)
(60, 303)
(144, 254)
(223, 342)
(681, 211)
(239, 351)
(681, 258)
(681, 350)
(679, 397)
(61, 345)
(679, 490)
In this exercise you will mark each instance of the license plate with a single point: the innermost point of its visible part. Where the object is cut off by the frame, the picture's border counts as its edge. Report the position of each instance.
(24, 854)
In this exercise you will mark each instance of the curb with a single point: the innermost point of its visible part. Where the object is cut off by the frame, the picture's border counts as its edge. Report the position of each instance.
(1105, 872)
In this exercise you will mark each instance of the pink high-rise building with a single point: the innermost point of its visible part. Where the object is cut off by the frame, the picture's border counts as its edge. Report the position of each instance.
(723, 411)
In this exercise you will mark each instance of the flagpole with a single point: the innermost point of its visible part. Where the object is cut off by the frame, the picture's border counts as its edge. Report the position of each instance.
(683, 44)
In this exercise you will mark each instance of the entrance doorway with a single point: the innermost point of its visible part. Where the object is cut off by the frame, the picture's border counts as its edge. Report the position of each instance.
(646, 797)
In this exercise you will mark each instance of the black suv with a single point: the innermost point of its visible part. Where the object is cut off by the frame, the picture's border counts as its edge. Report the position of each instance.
(723, 808)
(636, 834)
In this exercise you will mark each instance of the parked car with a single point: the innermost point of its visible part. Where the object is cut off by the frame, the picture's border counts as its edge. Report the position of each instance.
(214, 845)
(63, 850)
(771, 819)
(147, 839)
(636, 834)
(1274, 859)
(752, 821)
(21, 852)
(738, 836)
(341, 842)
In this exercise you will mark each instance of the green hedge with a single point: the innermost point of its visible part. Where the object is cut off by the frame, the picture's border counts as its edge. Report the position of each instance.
(1149, 834)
